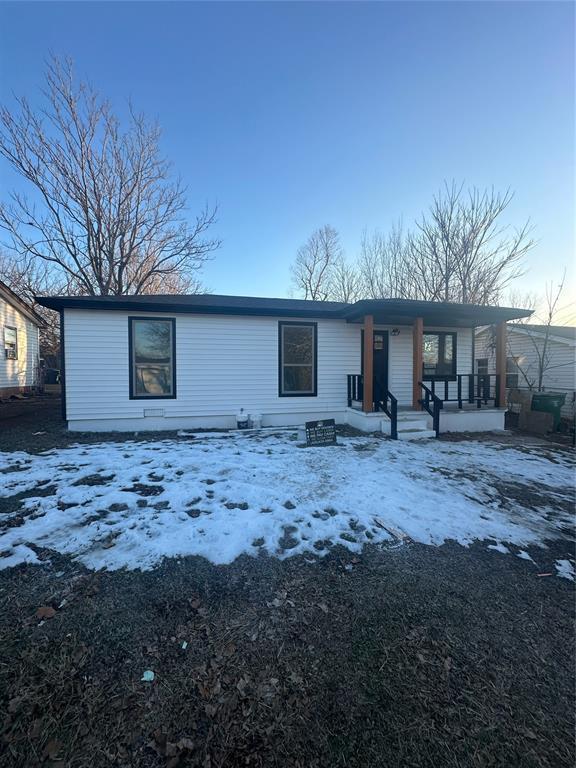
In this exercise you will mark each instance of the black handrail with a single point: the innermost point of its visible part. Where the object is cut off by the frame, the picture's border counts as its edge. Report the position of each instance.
(391, 411)
(433, 405)
(387, 403)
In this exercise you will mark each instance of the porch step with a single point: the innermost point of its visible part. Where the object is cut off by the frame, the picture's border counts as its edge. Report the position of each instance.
(411, 425)
(415, 434)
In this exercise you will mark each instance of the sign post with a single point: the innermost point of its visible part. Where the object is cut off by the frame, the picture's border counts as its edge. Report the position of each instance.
(321, 432)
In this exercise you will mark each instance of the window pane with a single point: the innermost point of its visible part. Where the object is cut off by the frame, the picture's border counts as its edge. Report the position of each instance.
(298, 344)
(438, 355)
(153, 379)
(152, 357)
(10, 343)
(297, 378)
(448, 351)
(152, 341)
(430, 350)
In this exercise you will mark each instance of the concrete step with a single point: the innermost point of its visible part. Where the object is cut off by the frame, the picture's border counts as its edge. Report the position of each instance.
(416, 434)
(410, 415)
(412, 424)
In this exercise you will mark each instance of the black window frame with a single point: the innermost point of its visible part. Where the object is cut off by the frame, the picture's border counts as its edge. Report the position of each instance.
(10, 328)
(133, 394)
(314, 326)
(442, 376)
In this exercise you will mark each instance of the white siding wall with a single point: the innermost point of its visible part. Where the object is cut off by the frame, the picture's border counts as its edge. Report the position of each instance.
(23, 371)
(561, 374)
(223, 363)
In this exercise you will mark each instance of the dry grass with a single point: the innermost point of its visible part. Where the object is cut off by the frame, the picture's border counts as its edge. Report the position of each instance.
(413, 656)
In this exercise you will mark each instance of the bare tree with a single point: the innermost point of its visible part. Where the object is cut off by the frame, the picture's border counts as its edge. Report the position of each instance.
(345, 282)
(459, 251)
(313, 269)
(383, 265)
(539, 335)
(109, 218)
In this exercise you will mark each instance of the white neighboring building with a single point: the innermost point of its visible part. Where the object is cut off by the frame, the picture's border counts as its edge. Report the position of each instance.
(524, 349)
(20, 340)
(170, 362)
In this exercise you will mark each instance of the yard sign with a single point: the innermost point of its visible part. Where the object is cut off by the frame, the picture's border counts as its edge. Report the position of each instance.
(321, 432)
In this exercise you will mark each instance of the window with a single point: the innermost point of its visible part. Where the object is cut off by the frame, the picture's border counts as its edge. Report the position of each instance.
(482, 366)
(439, 356)
(152, 344)
(10, 343)
(297, 359)
(512, 373)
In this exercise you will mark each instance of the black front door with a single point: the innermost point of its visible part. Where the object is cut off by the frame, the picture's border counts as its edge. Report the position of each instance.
(380, 383)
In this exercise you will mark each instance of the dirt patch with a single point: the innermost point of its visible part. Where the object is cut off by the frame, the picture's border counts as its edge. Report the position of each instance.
(144, 490)
(94, 480)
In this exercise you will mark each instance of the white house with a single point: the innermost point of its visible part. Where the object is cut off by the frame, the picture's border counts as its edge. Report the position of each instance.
(19, 361)
(171, 362)
(525, 356)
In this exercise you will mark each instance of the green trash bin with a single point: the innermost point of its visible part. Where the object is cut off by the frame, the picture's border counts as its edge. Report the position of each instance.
(549, 402)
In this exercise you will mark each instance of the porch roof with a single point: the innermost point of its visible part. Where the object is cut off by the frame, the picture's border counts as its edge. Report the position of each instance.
(403, 311)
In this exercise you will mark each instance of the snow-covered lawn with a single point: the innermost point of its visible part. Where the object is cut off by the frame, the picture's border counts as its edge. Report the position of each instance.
(130, 504)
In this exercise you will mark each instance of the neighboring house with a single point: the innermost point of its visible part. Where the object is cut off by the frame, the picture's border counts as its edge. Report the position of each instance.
(170, 362)
(525, 356)
(19, 336)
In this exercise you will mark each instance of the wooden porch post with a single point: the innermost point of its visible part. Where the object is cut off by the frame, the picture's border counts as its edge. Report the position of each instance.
(501, 363)
(368, 397)
(417, 345)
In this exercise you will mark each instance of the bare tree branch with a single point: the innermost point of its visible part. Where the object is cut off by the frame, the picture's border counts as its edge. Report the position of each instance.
(313, 269)
(108, 219)
(458, 252)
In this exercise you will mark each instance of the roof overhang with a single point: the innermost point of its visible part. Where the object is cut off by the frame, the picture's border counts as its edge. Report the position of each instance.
(384, 311)
(237, 305)
(433, 313)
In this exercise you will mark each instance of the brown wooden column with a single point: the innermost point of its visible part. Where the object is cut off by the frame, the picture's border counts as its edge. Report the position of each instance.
(501, 363)
(417, 347)
(368, 398)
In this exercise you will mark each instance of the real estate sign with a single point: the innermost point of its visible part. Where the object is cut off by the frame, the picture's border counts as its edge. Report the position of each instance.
(321, 432)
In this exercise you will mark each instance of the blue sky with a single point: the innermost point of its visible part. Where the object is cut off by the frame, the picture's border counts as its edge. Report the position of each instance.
(294, 115)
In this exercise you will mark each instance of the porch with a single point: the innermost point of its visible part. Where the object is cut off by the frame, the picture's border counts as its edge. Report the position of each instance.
(443, 397)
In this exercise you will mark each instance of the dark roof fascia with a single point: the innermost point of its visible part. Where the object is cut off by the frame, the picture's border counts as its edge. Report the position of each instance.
(64, 302)
(20, 304)
(434, 311)
(396, 311)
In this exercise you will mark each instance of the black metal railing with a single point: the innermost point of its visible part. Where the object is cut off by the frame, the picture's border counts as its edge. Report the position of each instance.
(432, 404)
(389, 404)
(385, 402)
(355, 388)
(479, 388)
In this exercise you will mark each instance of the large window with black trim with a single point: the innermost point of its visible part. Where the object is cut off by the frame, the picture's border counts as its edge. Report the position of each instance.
(297, 359)
(439, 356)
(152, 346)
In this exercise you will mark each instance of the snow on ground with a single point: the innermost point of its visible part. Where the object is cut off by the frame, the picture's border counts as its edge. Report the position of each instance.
(131, 504)
(565, 569)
